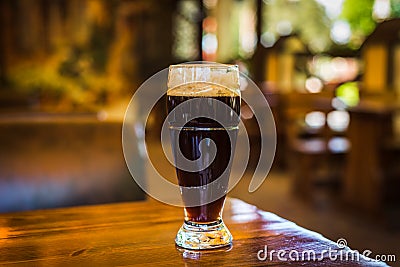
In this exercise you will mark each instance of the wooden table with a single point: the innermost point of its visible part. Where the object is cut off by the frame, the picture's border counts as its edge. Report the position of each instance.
(142, 234)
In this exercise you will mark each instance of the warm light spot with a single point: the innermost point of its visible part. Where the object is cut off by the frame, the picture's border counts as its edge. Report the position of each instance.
(247, 31)
(4, 233)
(338, 120)
(248, 41)
(314, 85)
(210, 25)
(335, 70)
(102, 115)
(315, 119)
(339, 64)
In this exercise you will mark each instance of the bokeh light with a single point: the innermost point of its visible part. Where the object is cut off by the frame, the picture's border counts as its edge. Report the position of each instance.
(348, 93)
(314, 85)
(381, 9)
(338, 120)
(341, 32)
(315, 119)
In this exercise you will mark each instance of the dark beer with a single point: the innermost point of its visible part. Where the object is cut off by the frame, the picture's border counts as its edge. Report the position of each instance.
(190, 135)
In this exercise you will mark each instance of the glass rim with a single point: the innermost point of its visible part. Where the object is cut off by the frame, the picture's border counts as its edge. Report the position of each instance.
(226, 75)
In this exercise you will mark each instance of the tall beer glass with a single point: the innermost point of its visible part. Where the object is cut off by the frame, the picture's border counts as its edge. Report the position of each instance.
(203, 102)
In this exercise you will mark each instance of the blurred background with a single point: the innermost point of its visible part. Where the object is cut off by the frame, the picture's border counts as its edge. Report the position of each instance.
(330, 71)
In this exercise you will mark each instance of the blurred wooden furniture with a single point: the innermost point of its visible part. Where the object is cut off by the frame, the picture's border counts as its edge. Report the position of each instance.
(371, 134)
(317, 162)
(142, 234)
(317, 155)
(390, 165)
(380, 53)
(56, 160)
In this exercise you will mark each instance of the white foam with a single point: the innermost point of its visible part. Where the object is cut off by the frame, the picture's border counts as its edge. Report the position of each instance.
(202, 89)
(188, 77)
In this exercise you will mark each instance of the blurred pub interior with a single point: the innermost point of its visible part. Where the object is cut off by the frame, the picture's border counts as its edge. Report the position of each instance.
(330, 71)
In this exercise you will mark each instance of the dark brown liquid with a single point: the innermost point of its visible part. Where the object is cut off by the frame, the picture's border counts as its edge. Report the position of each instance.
(189, 139)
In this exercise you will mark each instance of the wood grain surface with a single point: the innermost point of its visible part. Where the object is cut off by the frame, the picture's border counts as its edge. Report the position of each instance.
(142, 234)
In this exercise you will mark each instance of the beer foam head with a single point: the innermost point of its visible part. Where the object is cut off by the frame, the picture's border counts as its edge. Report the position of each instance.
(201, 89)
(203, 79)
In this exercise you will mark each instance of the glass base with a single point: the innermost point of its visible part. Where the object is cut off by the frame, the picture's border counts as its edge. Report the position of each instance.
(203, 236)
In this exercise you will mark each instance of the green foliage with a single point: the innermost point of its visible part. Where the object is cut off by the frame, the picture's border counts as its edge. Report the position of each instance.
(358, 13)
(67, 83)
(308, 20)
(395, 6)
(349, 93)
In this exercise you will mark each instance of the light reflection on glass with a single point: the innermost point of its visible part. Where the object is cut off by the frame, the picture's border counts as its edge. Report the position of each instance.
(194, 255)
